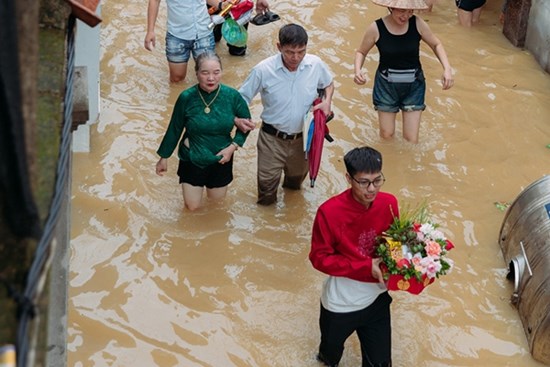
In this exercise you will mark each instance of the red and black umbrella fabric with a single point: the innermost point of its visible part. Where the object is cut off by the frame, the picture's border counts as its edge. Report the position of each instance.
(318, 133)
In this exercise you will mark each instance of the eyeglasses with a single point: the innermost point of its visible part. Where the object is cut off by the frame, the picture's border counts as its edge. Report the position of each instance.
(377, 182)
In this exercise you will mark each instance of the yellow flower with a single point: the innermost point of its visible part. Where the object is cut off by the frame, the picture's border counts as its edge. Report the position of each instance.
(394, 244)
(395, 249)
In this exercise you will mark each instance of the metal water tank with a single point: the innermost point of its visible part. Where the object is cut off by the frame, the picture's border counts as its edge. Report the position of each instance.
(525, 242)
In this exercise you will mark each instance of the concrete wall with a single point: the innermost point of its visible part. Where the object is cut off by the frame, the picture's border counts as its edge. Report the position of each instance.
(538, 32)
(56, 354)
(87, 56)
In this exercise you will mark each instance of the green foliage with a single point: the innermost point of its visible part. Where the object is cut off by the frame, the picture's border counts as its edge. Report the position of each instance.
(403, 247)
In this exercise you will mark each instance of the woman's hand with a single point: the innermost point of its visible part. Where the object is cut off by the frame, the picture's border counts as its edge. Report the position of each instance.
(447, 79)
(226, 153)
(245, 125)
(359, 78)
(162, 166)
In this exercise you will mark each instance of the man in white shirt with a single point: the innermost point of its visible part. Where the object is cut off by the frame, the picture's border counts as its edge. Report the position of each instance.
(288, 83)
(186, 32)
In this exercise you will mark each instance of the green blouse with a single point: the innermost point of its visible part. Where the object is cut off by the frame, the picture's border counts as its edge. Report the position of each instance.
(207, 133)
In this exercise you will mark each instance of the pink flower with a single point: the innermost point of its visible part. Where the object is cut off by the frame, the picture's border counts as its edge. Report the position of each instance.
(433, 248)
(430, 266)
(416, 259)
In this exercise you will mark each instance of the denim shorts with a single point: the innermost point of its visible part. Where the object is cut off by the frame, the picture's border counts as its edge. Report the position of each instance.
(391, 97)
(179, 51)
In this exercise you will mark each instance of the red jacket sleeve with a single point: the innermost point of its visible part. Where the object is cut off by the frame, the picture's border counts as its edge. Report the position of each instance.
(325, 258)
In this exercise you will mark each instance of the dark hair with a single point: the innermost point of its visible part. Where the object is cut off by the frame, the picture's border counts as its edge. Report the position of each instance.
(293, 35)
(205, 56)
(363, 159)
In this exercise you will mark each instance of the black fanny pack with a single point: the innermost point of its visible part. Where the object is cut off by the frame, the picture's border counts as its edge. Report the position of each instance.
(399, 76)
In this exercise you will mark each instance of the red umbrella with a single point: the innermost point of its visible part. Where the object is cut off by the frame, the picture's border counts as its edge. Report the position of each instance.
(320, 131)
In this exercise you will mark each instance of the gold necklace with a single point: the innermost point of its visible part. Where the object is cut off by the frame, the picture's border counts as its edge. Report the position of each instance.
(207, 105)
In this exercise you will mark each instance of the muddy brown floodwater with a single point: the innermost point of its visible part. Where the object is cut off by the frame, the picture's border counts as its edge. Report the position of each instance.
(231, 285)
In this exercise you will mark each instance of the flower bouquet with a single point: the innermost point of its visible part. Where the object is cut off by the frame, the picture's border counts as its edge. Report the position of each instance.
(413, 251)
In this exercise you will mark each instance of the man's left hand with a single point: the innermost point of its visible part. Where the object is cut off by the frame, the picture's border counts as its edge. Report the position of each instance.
(245, 125)
(323, 106)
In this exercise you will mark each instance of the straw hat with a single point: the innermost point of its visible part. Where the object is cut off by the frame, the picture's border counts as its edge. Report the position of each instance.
(402, 4)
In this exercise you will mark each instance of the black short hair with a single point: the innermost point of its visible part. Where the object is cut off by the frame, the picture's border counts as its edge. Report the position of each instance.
(363, 159)
(205, 56)
(293, 35)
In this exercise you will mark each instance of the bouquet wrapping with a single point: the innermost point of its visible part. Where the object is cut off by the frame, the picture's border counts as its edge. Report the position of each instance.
(414, 251)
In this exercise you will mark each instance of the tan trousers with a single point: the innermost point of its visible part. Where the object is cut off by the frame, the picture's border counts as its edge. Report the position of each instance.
(275, 156)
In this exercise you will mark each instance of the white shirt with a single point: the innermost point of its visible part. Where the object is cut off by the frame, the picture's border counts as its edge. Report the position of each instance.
(342, 294)
(188, 19)
(286, 95)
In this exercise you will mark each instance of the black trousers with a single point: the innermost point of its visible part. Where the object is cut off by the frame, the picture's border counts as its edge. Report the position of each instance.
(372, 325)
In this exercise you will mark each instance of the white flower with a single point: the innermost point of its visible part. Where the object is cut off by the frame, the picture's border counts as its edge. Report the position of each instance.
(428, 231)
(406, 252)
(427, 228)
(437, 235)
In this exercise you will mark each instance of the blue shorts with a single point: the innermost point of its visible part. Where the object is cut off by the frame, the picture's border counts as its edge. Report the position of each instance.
(391, 97)
(212, 176)
(179, 51)
(469, 5)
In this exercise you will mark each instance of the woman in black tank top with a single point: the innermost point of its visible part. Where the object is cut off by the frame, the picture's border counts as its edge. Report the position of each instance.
(399, 82)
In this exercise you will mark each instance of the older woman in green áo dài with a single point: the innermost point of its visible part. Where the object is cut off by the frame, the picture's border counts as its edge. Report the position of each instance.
(205, 115)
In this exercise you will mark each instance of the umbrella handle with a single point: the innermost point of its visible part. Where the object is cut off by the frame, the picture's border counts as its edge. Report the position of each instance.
(330, 116)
